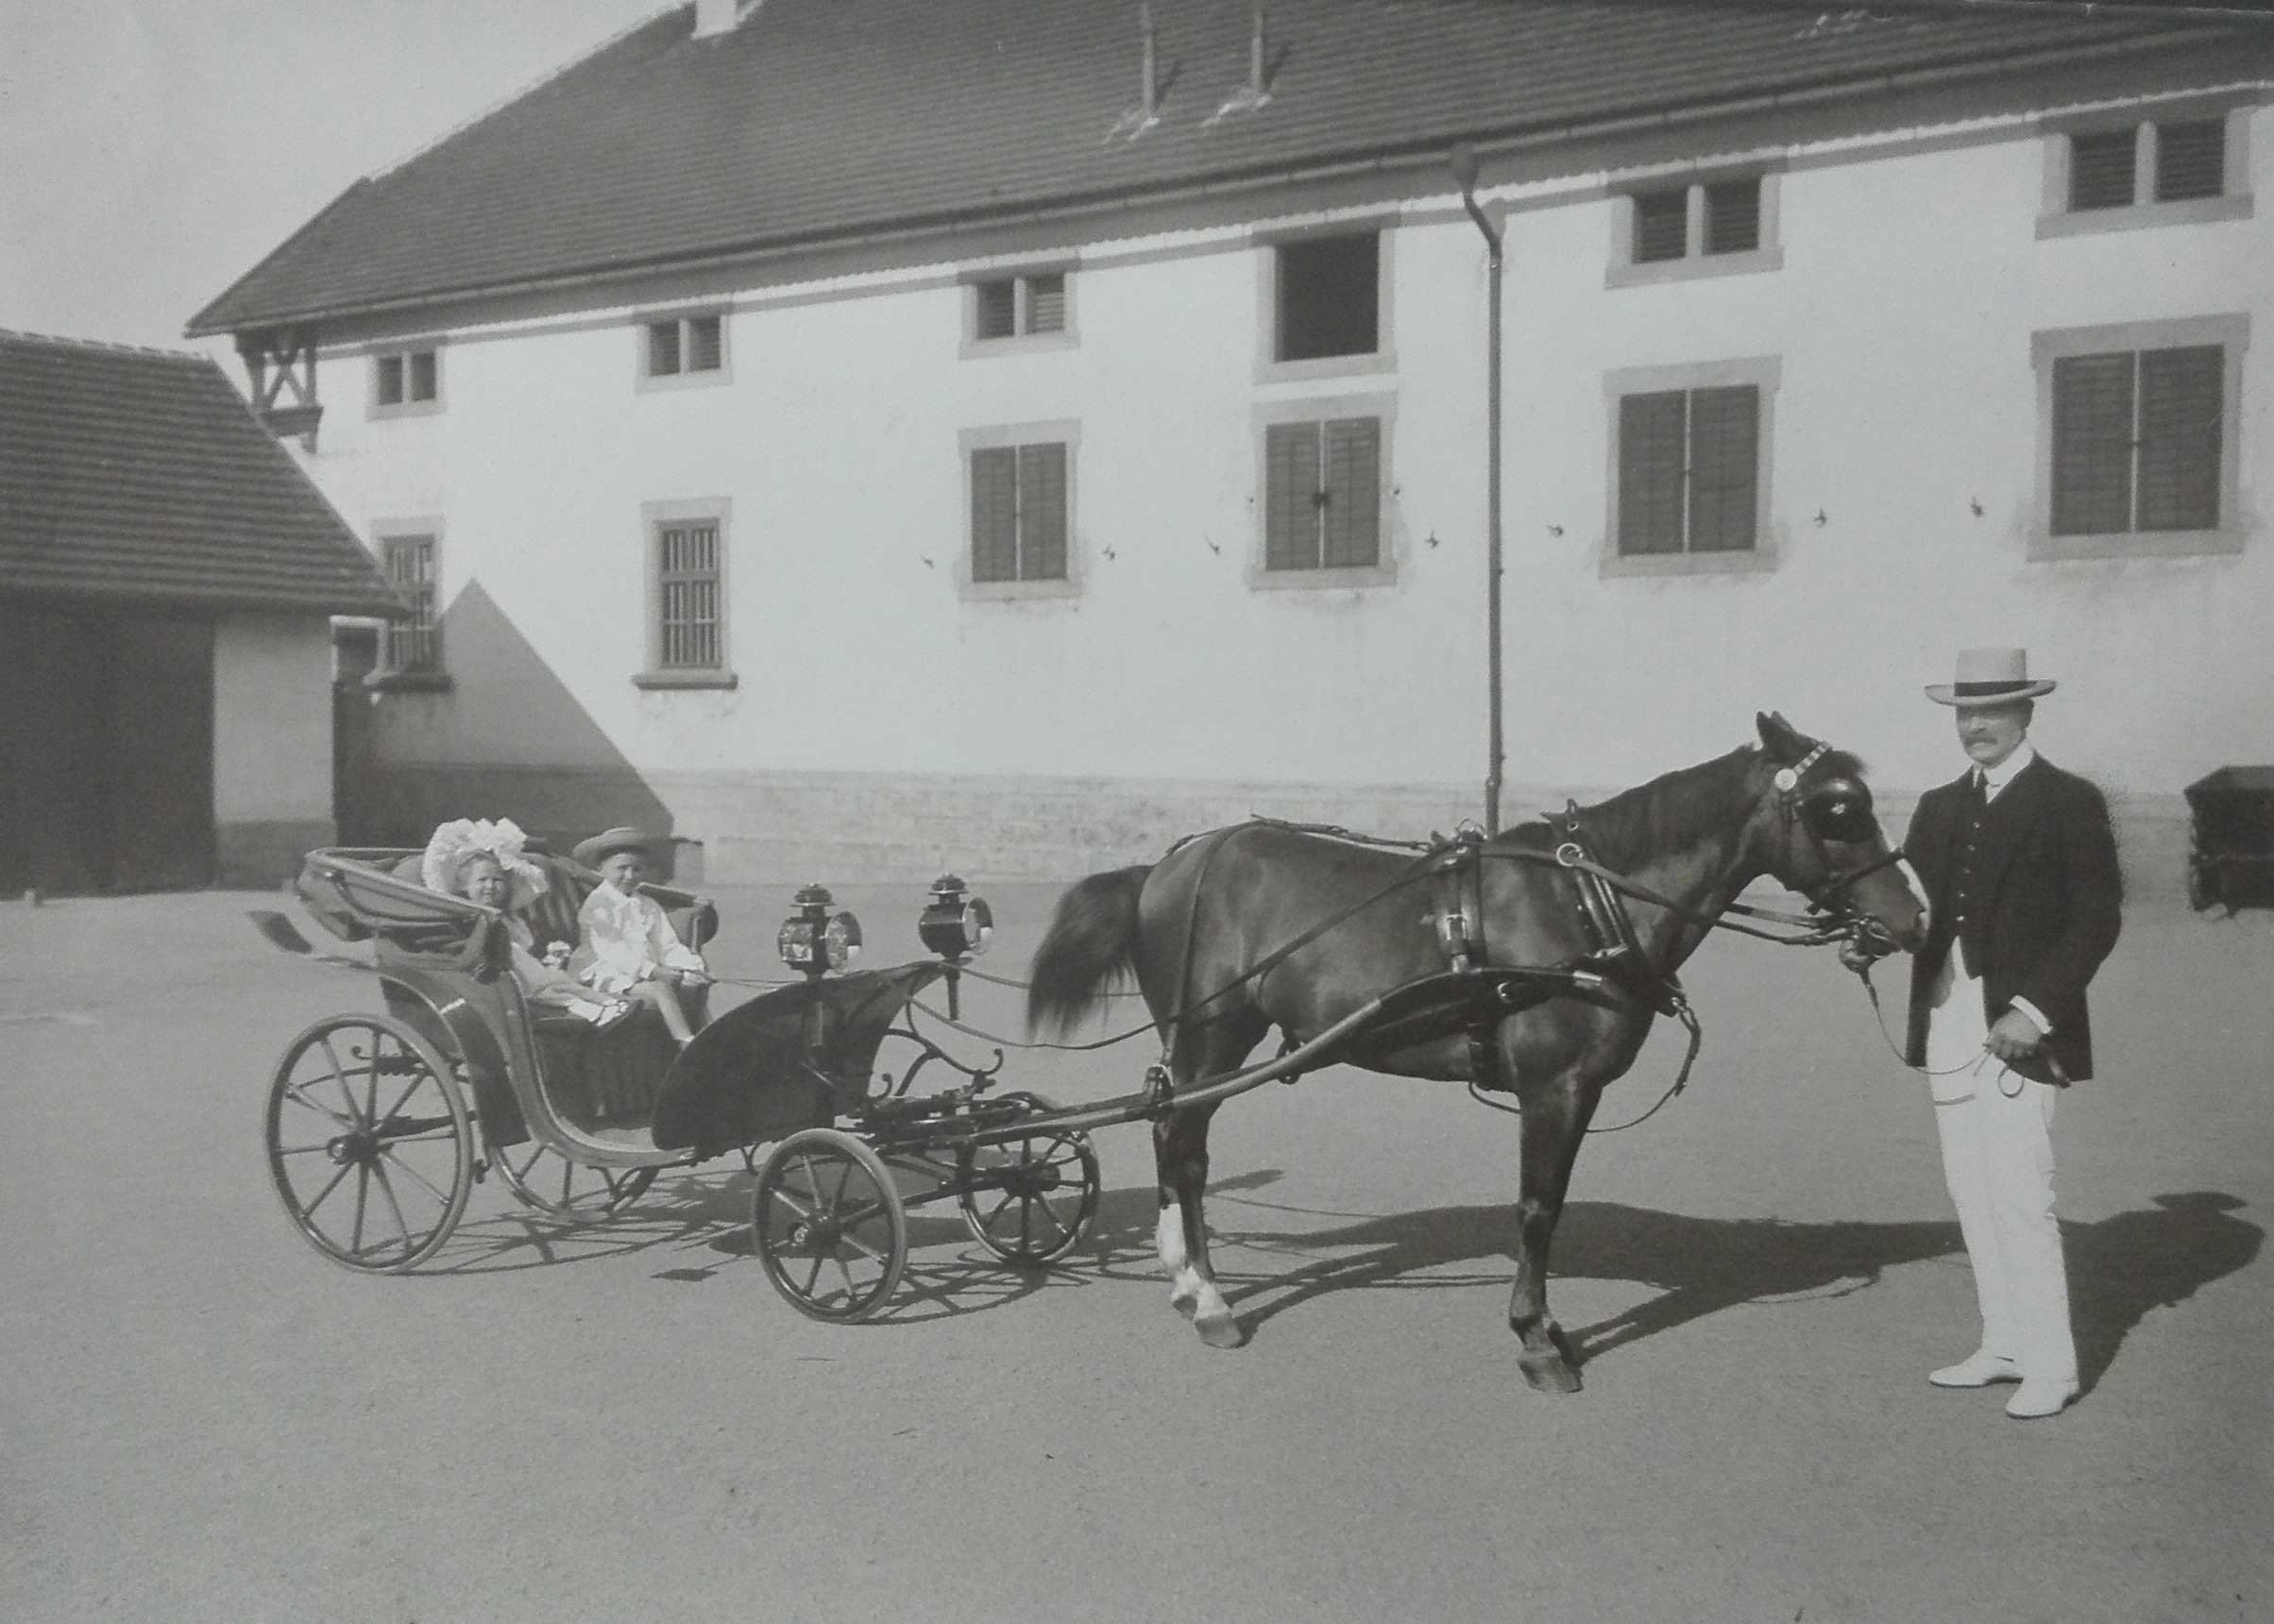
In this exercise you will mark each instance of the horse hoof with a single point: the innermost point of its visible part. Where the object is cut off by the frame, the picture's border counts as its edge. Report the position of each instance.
(1220, 1331)
(1548, 1371)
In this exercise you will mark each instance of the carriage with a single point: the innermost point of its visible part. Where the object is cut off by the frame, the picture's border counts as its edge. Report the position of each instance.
(1525, 974)
(379, 1124)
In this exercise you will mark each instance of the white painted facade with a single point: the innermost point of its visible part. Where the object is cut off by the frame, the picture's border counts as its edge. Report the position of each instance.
(886, 720)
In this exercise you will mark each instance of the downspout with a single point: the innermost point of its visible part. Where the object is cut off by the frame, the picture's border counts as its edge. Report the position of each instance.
(1465, 175)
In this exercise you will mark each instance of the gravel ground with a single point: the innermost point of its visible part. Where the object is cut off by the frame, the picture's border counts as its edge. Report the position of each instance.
(203, 1420)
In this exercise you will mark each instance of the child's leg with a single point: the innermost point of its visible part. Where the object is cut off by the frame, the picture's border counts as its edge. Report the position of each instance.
(662, 997)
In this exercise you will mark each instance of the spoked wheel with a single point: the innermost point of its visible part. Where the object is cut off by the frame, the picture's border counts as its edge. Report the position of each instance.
(830, 1226)
(1035, 1196)
(572, 1191)
(369, 1142)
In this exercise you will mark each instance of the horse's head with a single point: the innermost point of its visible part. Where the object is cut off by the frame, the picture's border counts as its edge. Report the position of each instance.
(1813, 829)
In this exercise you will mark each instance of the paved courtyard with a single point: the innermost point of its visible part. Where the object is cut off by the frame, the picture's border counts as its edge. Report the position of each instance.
(201, 1419)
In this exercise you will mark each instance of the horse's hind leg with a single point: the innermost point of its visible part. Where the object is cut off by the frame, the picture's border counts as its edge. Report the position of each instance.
(1180, 1154)
(1554, 1120)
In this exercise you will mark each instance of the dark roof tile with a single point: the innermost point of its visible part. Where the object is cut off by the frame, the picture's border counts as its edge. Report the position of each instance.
(141, 473)
(822, 119)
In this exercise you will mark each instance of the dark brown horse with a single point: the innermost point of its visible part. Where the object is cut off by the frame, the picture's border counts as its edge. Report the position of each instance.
(1193, 928)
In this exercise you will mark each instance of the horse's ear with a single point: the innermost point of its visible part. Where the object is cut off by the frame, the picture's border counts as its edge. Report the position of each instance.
(1778, 737)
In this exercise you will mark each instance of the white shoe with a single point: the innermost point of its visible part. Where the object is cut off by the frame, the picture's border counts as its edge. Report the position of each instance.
(2037, 1398)
(1976, 1369)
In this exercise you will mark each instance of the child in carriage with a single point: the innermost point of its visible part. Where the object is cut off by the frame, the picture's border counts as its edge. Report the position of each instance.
(629, 949)
(483, 862)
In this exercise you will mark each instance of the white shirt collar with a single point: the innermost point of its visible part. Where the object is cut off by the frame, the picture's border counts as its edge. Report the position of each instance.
(1996, 778)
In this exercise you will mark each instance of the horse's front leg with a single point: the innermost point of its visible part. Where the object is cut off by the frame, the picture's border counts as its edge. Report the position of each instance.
(1556, 1118)
(1180, 1156)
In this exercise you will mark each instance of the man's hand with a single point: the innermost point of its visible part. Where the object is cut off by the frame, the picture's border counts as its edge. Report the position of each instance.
(2014, 1037)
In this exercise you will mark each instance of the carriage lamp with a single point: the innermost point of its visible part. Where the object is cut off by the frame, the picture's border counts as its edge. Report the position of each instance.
(815, 940)
(955, 925)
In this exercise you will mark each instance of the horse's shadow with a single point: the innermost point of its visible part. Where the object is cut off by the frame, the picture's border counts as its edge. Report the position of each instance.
(2119, 1267)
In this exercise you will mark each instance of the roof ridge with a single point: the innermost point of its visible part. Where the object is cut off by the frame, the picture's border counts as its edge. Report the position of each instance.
(526, 90)
(115, 345)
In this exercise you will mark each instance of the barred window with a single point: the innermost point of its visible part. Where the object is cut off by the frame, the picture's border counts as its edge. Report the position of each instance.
(1688, 471)
(1018, 513)
(1322, 496)
(2137, 440)
(687, 597)
(413, 644)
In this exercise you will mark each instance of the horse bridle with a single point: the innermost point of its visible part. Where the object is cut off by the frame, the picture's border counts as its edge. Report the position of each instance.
(1825, 813)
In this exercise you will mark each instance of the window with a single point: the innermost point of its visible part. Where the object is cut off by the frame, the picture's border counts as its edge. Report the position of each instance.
(1018, 513)
(2138, 438)
(1328, 297)
(411, 647)
(1690, 467)
(1009, 306)
(405, 381)
(1007, 313)
(685, 348)
(1703, 228)
(2159, 172)
(686, 596)
(1322, 494)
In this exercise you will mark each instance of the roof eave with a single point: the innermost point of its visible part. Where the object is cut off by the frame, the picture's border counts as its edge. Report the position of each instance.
(1504, 139)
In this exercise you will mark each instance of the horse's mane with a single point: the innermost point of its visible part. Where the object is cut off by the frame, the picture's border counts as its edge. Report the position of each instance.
(1667, 812)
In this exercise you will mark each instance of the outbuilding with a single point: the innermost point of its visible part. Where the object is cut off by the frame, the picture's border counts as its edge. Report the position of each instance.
(168, 577)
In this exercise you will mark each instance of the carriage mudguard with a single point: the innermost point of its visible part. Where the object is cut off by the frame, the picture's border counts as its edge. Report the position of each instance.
(756, 1074)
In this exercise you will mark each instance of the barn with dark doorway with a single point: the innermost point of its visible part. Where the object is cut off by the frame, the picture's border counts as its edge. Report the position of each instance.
(167, 582)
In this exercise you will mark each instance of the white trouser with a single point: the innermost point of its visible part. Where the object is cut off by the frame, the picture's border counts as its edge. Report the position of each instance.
(1996, 1128)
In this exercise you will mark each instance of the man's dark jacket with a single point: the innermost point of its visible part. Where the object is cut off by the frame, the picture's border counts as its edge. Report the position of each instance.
(2047, 899)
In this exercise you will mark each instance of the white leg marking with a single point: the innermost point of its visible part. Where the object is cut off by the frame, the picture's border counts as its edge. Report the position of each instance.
(1170, 1239)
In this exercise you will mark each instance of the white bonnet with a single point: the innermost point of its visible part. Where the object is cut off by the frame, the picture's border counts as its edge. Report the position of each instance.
(464, 837)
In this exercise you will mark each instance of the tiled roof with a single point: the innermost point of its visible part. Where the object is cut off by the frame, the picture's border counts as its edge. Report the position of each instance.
(141, 473)
(815, 120)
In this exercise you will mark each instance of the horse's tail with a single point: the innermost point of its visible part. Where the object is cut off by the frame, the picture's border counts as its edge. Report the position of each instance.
(1092, 940)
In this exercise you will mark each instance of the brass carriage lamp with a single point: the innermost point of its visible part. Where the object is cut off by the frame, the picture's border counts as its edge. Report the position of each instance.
(814, 941)
(957, 927)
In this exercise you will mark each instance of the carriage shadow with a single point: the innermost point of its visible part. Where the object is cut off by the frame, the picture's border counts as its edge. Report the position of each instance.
(2119, 1267)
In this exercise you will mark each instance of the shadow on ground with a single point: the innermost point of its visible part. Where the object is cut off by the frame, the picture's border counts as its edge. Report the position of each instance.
(2120, 1267)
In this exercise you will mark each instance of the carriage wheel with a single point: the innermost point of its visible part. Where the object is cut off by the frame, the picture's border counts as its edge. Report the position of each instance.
(572, 1191)
(830, 1226)
(369, 1142)
(1037, 1195)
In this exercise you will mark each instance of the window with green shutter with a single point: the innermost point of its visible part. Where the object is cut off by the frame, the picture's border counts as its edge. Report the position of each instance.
(2137, 440)
(1322, 494)
(1689, 470)
(1018, 513)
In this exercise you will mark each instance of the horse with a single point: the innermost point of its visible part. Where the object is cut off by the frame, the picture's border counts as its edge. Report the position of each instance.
(1207, 933)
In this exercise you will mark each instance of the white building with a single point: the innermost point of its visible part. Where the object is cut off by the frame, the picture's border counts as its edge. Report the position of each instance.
(869, 435)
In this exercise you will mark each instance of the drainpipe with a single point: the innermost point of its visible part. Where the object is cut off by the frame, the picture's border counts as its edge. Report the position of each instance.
(1465, 175)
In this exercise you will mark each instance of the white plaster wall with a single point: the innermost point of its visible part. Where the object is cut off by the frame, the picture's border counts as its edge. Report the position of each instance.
(1901, 319)
(272, 719)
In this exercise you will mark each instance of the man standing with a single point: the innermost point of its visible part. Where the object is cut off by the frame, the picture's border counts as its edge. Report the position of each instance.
(2021, 878)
